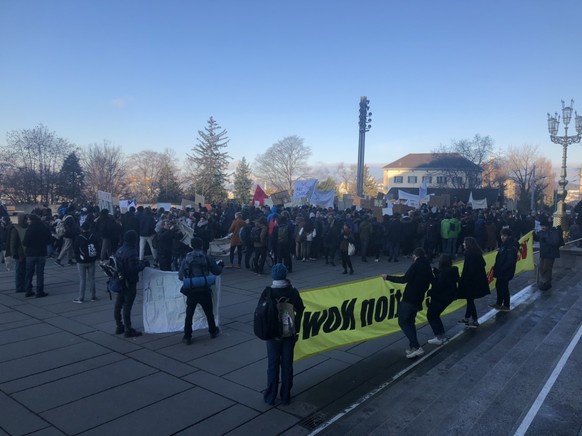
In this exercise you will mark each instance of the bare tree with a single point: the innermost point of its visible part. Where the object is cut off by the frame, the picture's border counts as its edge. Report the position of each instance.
(283, 163)
(144, 170)
(465, 172)
(520, 166)
(31, 160)
(105, 169)
(348, 180)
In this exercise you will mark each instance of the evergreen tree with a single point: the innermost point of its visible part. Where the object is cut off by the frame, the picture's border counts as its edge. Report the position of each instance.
(243, 182)
(71, 180)
(168, 187)
(209, 162)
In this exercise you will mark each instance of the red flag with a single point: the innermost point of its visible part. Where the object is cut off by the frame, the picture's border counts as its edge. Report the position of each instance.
(259, 196)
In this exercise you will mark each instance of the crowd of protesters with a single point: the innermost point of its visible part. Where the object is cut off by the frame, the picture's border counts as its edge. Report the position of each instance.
(258, 234)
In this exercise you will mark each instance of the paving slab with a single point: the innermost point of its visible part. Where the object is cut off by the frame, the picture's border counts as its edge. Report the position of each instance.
(16, 419)
(40, 362)
(90, 412)
(162, 363)
(59, 373)
(75, 387)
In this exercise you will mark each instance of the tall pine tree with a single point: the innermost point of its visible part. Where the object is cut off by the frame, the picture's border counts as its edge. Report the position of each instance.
(243, 182)
(168, 187)
(71, 181)
(209, 162)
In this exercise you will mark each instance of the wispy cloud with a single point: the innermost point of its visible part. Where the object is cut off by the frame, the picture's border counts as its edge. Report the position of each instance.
(120, 103)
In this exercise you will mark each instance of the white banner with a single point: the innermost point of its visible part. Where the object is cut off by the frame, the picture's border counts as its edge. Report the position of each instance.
(164, 307)
(477, 204)
(303, 188)
(105, 201)
(323, 198)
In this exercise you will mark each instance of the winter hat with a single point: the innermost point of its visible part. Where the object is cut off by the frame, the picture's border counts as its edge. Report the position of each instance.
(279, 272)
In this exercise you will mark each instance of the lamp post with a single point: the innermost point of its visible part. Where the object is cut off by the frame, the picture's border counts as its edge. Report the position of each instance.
(365, 119)
(560, 217)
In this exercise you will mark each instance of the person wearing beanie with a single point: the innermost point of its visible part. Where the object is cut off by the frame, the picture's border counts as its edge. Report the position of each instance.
(280, 350)
(130, 266)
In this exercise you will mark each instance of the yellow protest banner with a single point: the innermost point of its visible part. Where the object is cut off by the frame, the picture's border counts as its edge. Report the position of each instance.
(361, 310)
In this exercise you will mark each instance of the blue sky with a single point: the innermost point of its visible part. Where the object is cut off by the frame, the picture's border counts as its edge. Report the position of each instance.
(148, 74)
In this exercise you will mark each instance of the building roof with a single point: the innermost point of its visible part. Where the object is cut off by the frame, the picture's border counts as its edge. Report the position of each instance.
(433, 161)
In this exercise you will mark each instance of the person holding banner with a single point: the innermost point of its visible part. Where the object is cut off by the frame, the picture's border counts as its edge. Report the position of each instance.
(442, 293)
(418, 278)
(473, 283)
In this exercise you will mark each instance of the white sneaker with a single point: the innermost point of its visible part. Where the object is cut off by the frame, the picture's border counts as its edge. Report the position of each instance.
(78, 301)
(376, 260)
(414, 352)
(436, 341)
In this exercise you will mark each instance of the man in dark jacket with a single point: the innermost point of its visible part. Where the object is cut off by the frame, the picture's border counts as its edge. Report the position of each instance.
(130, 266)
(504, 269)
(418, 279)
(16, 250)
(147, 230)
(36, 239)
(104, 230)
(549, 238)
(198, 294)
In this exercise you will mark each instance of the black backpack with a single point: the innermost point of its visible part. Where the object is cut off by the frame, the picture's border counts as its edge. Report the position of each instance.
(267, 325)
(283, 235)
(87, 248)
(256, 234)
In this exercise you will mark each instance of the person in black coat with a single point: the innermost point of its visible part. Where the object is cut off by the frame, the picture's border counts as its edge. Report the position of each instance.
(35, 241)
(442, 293)
(473, 283)
(504, 269)
(280, 350)
(549, 238)
(127, 257)
(418, 279)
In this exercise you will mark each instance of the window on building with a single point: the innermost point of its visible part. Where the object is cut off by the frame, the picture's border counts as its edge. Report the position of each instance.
(398, 179)
(458, 181)
(427, 179)
(441, 180)
(412, 179)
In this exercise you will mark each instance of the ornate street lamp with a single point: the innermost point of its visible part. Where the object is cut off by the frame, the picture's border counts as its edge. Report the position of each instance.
(365, 126)
(560, 217)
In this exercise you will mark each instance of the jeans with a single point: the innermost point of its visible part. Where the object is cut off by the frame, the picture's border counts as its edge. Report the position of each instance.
(35, 265)
(142, 243)
(406, 321)
(260, 259)
(20, 275)
(238, 249)
(503, 297)
(204, 298)
(471, 310)
(279, 355)
(450, 247)
(124, 301)
(545, 271)
(66, 249)
(284, 256)
(433, 315)
(105, 248)
(393, 249)
(346, 261)
(86, 273)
